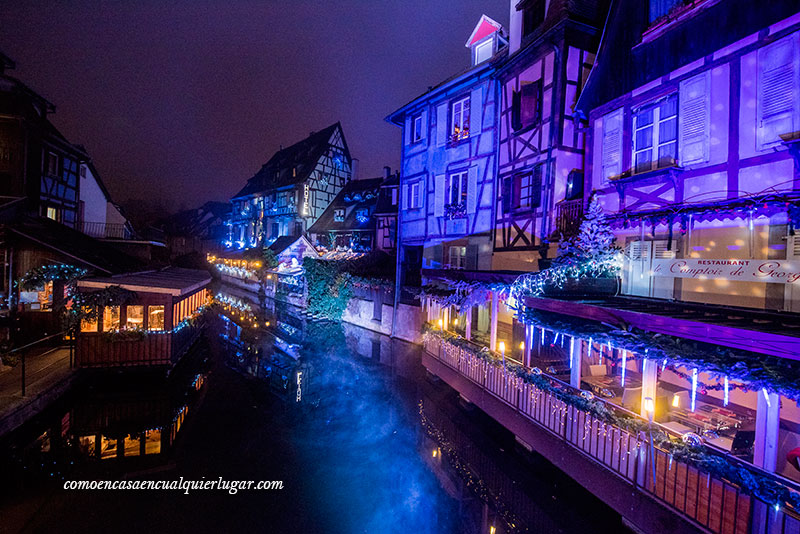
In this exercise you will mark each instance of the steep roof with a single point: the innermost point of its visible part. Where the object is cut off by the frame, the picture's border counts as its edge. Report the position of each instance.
(624, 62)
(356, 195)
(484, 28)
(303, 156)
(196, 221)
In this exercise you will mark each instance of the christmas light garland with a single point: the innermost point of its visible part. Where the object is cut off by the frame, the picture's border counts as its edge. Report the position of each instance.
(688, 449)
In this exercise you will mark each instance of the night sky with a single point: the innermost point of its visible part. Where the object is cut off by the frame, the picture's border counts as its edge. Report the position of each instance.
(181, 102)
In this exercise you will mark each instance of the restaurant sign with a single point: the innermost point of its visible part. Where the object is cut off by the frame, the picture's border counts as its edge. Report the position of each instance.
(768, 271)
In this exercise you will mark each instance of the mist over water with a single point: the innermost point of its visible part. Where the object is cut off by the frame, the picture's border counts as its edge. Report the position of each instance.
(363, 442)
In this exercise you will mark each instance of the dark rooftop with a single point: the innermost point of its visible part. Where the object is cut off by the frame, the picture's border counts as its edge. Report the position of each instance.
(280, 171)
(175, 281)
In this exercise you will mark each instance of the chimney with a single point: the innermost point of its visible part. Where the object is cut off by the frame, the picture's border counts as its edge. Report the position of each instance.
(387, 171)
(354, 169)
(514, 28)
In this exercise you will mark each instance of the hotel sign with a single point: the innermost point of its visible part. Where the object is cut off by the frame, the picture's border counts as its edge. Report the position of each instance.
(767, 271)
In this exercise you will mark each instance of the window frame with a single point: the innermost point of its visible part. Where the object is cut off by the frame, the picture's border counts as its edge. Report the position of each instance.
(461, 118)
(163, 317)
(414, 196)
(461, 257)
(128, 326)
(416, 128)
(483, 45)
(338, 215)
(461, 191)
(518, 101)
(52, 164)
(655, 124)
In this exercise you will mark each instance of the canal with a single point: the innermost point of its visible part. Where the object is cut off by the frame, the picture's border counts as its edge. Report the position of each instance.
(361, 438)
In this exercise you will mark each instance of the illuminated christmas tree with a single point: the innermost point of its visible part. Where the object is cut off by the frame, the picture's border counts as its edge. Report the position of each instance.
(594, 243)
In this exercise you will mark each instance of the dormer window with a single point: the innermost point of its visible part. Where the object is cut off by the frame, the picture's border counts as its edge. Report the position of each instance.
(484, 50)
(486, 39)
(338, 215)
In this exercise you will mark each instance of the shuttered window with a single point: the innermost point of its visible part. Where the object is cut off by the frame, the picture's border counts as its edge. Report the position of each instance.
(777, 89)
(612, 144)
(694, 119)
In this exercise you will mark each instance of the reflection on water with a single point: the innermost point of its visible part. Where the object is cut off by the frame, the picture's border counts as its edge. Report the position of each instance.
(363, 440)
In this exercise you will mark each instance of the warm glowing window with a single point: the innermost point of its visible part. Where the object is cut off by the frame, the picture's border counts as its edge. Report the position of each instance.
(52, 213)
(110, 318)
(152, 441)
(155, 317)
(108, 448)
(87, 445)
(135, 319)
(460, 119)
(88, 325)
(131, 445)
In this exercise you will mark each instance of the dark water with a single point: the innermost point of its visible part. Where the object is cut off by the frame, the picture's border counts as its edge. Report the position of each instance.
(362, 441)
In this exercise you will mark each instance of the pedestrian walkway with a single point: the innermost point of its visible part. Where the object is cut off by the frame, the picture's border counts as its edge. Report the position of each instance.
(47, 375)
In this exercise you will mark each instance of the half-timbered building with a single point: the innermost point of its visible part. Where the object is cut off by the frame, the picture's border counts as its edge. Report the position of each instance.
(695, 127)
(541, 148)
(349, 222)
(448, 162)
(291, 191)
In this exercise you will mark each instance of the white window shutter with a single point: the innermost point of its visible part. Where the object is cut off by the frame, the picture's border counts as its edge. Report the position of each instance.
(777, 85)
(472, 189)
(406, 195)
(407, 130)
(694, 119)
(438, 186)
(612, 144)
(476, 110)
(441, 124)
(424, 131)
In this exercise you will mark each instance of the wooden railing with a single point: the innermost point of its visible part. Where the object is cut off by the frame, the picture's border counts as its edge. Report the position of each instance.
(107, 230)
(568, 217)
(154, 348)
(713, 503)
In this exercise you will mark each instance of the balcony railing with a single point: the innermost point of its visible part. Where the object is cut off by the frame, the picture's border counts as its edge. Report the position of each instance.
(708, 500)
(107, 230)
(568, 217)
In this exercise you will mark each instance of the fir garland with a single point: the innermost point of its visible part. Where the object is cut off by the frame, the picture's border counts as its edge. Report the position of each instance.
(36, 278)
(692, 453)
(777, 375)
(462, 294)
